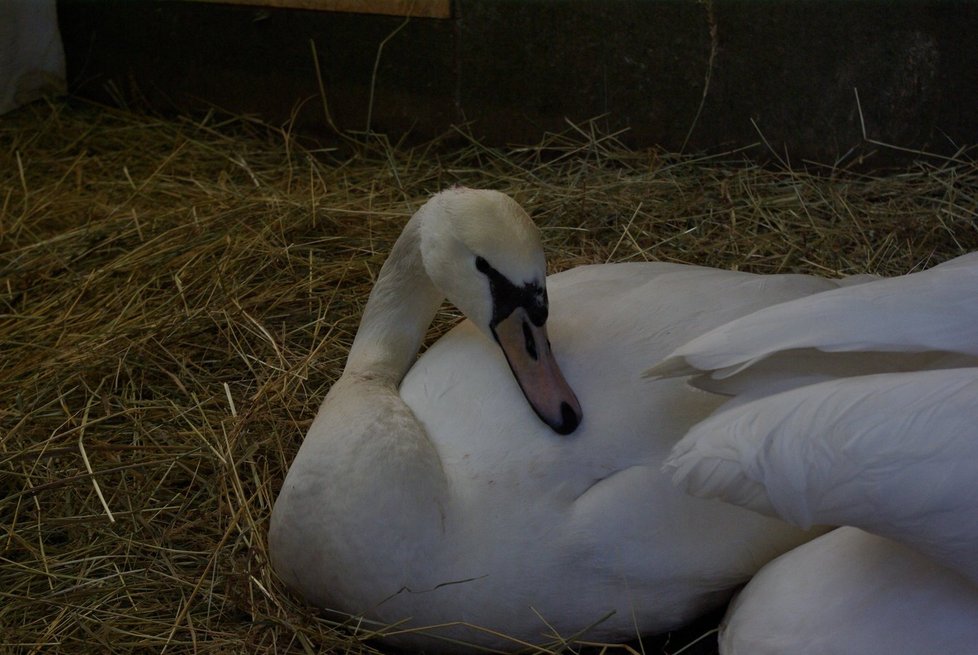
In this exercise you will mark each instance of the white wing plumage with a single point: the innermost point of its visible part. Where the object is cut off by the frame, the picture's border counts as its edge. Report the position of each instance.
(916, 321)
(853, 406)
(895, 454)
(856, 407)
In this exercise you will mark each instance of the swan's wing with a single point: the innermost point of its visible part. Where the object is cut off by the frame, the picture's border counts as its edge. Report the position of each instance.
(932, 311)
(852, 592)
(894, 454)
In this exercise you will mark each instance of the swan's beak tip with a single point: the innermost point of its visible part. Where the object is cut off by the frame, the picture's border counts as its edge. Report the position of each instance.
(569, 419)
(527, 349)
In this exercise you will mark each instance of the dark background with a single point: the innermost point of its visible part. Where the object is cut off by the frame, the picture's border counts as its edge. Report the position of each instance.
(784, 74)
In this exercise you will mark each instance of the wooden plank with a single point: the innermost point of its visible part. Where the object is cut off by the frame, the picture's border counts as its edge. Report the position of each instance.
(418, 8)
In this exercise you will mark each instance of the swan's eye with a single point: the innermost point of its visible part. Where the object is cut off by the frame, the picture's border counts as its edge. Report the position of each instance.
(538, 312)
(530, 344)
(506, 296)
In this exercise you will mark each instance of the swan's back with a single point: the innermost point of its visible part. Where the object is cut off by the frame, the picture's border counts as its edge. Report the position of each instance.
(565, 523)
(605, 321)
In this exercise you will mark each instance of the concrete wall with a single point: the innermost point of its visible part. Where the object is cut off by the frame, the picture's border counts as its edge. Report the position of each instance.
(785, 70)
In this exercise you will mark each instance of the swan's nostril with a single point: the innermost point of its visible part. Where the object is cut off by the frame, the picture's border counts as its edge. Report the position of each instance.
(529, 342)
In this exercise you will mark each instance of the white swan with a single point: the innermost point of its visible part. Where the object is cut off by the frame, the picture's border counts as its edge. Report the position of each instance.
(441, 498)
(890, 447)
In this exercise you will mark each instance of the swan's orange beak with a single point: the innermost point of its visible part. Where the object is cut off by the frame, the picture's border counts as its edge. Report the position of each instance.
(527, 350)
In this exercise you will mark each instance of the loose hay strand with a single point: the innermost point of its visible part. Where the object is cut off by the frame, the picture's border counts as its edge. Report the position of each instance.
(194, 286)
(88, 464)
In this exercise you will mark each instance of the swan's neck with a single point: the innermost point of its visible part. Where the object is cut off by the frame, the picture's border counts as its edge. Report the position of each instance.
(399, 310)
(367, 474)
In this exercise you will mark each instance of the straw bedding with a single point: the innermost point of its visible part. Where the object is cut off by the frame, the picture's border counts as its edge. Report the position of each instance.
(178, 295)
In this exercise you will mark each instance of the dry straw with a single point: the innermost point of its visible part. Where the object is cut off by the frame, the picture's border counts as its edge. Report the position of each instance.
(177, 297)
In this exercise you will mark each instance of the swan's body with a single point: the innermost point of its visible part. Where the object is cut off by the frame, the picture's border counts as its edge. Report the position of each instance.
(890, 447)
(851, 593)
(442, 498)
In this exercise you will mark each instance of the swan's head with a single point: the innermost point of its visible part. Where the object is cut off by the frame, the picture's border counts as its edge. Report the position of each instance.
(484, 253)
